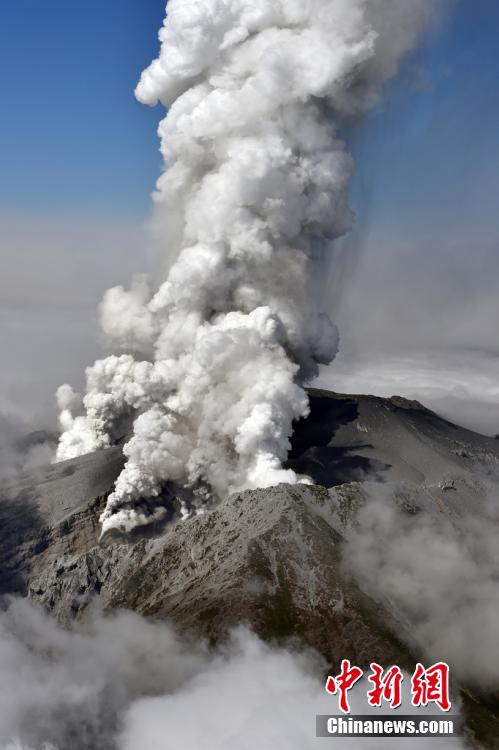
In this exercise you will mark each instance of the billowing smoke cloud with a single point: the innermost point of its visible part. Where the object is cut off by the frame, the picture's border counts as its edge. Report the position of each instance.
(440, 575)
(122, 683)
(210, 362)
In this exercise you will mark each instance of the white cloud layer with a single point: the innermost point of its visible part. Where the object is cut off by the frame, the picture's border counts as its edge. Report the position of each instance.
(417, 317)
(441, 577)
(54, 272)
(462, 385)
(122, 683)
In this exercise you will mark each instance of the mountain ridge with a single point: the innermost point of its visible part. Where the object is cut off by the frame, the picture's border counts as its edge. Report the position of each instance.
(268, 558)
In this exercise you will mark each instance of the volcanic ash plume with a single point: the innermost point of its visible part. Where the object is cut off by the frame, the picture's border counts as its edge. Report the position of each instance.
(210, 362)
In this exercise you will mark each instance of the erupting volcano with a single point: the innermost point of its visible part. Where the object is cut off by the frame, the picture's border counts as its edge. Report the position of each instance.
(209, 363)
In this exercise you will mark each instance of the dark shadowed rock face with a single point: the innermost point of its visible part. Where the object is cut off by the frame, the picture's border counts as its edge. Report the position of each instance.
(354, 438)
(269, 558)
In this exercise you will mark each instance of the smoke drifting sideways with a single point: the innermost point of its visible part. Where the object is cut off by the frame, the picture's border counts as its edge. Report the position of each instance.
(439, 575)
(209, 362)
(124, 683)
(22, 448)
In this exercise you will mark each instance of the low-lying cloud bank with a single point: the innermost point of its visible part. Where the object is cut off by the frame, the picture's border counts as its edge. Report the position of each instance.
(124, 683)
(21, 447)
(440, 575)
(54, 273)
(460, 385)
(417, 316)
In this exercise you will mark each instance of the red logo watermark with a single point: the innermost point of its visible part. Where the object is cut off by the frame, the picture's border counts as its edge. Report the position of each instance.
(429, 685)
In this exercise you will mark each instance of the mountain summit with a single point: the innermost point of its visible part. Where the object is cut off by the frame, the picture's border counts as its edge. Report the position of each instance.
(271, 558)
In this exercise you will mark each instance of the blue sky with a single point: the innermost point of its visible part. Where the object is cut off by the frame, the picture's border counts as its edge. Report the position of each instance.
(79, 158)
(72, 137)
(430, 152)
(74, 141)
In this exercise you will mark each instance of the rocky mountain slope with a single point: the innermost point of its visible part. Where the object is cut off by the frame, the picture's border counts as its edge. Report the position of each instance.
(270, 558)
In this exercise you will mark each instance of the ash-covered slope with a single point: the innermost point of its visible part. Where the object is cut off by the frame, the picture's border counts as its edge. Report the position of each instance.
(271, 558)
(267, 557)
(359, 438)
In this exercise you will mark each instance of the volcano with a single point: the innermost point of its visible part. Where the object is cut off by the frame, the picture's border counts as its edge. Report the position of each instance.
(269, 558)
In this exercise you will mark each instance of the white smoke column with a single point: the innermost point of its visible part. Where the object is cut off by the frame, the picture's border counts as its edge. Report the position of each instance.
(251, 200)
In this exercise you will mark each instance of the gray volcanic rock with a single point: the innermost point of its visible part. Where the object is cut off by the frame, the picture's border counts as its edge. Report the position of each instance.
(270, 557)
(358, 438)
(45, 503)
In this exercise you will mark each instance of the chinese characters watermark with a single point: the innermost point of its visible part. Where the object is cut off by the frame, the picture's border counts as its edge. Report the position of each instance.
(430, 685)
